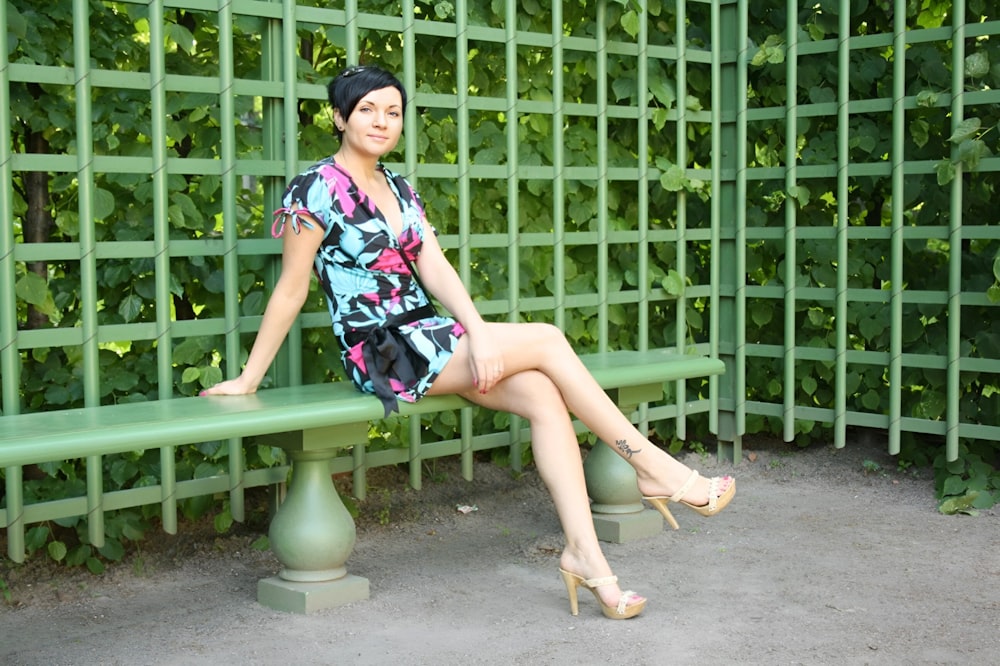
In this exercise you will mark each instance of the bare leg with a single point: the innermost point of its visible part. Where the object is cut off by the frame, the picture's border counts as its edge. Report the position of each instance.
(544, 348)
(557, 456)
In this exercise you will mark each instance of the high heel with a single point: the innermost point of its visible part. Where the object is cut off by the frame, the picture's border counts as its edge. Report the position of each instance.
(716, 502)
(620, 612)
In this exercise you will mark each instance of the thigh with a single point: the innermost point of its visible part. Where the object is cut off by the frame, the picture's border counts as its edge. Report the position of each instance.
(529, 394)
(524, 346)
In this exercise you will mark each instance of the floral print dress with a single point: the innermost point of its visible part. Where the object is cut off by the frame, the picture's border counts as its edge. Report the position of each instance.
(393, 343)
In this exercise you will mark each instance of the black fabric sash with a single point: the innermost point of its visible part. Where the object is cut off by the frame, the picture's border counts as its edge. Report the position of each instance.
(384, 350)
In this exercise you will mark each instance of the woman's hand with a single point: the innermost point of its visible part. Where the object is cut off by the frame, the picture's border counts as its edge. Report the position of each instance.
(238, 386)
(485, 360)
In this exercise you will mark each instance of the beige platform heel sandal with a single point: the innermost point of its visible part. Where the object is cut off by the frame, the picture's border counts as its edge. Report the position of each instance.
(620, 612)
(716, 502)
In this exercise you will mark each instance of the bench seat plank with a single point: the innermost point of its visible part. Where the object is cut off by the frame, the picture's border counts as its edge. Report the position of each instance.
(72, 433)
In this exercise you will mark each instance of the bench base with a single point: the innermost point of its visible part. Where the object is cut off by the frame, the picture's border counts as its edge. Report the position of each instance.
(625, 527)
(304, 598)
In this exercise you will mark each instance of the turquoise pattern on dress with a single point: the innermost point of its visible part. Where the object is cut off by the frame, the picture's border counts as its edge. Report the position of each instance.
(363, 274)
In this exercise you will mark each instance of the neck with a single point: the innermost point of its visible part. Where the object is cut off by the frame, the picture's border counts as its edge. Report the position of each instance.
(361, 168)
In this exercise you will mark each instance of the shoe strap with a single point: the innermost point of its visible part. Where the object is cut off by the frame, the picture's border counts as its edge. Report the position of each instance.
(679, 495)
(713, 493)
(623, 601)
(597, 582)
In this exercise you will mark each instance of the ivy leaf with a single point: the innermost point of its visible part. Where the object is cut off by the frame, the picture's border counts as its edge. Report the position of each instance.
(17, 26)
(927, 99)
(761, 312)
(983, 500)
(190, 374)
(181, 36)
(993, 293)
(95, 566)
(104, 204)
(660, 118)
(253, 303)
(817, 317)
(954, 505)
(945, 172)
(78, 555)
(122, 471)
(800, 193)
(223, 521)
(630, 23)
(772, 51)
(966, 129)
(809, 385)
(663, 91)
(32, 288)
(954, 485)
(176, 216)
(852, 381)
(210, 376)
(130, 307)
(444, 10)
(57, 395)
(971, 151)
(673, 179)
(624, 87)
(818, 95)
(932, 404)
(673, 283)
(190, 212)
(977, 65)
(920, 132)
(188, 352)
(57, 550)
(266, 455)
(36, 537)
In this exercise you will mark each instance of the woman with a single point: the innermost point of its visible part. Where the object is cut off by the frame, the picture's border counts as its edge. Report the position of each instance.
(359, 226)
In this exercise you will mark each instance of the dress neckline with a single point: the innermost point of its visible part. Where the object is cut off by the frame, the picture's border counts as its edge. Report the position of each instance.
(375, 211)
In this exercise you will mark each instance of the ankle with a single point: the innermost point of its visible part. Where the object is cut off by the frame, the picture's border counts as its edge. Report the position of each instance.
(586, 562)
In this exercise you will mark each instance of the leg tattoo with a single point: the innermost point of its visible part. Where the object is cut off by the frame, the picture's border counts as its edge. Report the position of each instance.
(625, 448)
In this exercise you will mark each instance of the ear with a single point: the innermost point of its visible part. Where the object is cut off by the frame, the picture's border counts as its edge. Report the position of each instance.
(338, 120)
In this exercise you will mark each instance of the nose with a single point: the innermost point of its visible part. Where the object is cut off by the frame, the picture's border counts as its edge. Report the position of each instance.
(379, 119)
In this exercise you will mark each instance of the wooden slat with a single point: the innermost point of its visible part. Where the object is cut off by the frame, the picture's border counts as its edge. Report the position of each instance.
(74, 433)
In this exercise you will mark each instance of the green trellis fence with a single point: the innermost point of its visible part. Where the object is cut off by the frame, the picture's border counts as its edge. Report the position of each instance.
(713, 176)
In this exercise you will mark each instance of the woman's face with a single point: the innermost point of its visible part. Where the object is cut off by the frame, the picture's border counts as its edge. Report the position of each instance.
(375, 125)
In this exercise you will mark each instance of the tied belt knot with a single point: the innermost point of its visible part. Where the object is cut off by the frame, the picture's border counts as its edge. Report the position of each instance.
(384, 350)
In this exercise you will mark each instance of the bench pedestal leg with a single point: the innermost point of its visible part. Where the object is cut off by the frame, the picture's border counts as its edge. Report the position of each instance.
(312, 535)
(617, 508)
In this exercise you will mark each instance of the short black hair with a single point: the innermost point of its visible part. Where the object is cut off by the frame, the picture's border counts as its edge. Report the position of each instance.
(353, 83)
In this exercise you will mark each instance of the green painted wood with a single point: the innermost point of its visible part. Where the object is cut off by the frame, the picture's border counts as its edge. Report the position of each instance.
(72, 433)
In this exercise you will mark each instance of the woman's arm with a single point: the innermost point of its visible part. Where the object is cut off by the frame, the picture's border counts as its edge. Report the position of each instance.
(290, 293)
(442, 281)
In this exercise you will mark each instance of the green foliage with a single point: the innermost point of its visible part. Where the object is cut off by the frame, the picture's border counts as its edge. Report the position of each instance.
(970, 483)
(956, 148)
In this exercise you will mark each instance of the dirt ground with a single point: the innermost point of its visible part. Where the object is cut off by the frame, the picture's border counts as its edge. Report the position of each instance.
(824, 557)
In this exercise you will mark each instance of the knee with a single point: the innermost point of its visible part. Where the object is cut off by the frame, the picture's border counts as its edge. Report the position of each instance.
(542, 397)
(551, 335)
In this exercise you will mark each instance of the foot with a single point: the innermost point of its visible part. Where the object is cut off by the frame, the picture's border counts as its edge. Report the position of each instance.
(697, 494)
(589, 568)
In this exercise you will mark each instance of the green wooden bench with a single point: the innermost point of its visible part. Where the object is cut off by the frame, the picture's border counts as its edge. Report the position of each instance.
(311, 534)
